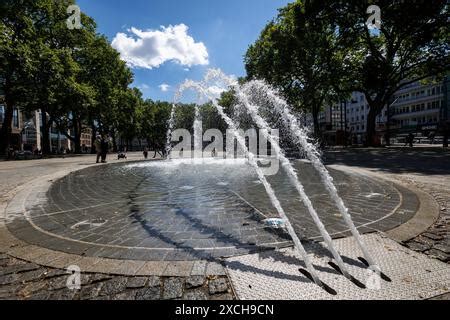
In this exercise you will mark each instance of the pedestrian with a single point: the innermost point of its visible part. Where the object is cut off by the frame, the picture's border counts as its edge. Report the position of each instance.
(432, 136)
(411, 140)
(98, 147)
(145, 153)
(104, 146)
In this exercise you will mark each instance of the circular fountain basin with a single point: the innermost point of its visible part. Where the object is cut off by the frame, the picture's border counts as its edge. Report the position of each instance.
(195, 209)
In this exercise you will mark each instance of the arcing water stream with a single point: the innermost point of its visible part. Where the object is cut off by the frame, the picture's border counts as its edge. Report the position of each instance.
(244, 94)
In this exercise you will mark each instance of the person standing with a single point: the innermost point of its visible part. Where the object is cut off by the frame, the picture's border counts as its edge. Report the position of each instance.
(98, 147)
(104, 148)
(411, 140)
(145, 153)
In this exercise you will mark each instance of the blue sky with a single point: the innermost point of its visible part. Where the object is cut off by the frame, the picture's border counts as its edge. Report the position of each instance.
(205, 34)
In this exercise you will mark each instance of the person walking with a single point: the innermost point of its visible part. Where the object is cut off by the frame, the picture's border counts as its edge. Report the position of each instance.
(145, 153)
(411, 140)
(98, 147)
(104, 148)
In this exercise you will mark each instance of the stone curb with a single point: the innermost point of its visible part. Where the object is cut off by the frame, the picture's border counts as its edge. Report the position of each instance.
(55, 259)
(427, 214)
(425, 217)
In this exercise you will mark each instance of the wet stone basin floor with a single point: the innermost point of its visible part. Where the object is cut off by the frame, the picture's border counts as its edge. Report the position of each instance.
(184, 211)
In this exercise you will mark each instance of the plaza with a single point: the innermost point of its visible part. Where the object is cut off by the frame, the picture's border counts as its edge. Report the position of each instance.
(252, 150)
(64, 212)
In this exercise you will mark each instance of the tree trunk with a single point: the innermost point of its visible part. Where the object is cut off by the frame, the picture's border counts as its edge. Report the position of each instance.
(317, 131)
(113, 137)
(6, 130)
(93, 138)
(77, 134)
(371, 128)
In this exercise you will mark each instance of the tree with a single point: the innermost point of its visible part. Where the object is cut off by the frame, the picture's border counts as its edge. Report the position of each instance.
(153, 118)
(41, 71)
(16, 34)
(299, 54)
(412, 45)
(74, 76)
(111, 78)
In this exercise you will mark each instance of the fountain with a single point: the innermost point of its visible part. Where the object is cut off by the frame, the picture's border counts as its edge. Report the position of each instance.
(244, 96)
(270, 192)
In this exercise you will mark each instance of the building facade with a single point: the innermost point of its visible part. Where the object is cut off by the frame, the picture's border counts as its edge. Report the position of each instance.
(417, 109)
(422, 110)
(17, 127)
(26, 133)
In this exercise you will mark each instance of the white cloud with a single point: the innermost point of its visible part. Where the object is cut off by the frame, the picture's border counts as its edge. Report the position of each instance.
(144, 86)
(164, 87)
(150, 49)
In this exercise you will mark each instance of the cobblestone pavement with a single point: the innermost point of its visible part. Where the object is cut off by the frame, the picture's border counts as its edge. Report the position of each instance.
(435, 242)
(21, 280)
(427, 170)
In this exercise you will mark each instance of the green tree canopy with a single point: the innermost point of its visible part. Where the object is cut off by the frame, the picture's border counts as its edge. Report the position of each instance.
(411, 45)
(299, 53)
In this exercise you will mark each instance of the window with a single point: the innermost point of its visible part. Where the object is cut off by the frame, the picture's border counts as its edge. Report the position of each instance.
(16, 118)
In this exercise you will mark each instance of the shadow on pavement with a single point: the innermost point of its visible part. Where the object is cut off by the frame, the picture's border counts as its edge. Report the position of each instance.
(393, 160)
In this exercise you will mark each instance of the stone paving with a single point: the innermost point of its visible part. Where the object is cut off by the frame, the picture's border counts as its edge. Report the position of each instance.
(153, 213)
(28, 281)
(435, 242)
(20, 279)
(427, 170)
(23, 280)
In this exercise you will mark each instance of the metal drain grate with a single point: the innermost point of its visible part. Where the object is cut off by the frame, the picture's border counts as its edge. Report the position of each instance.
(275, 275)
